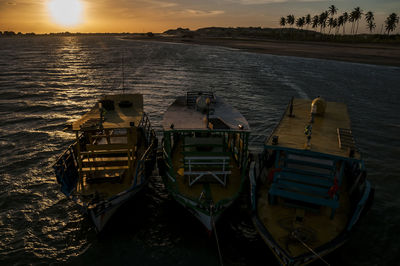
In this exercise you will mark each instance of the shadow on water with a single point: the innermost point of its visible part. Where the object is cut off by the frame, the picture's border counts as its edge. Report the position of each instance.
(153, 229)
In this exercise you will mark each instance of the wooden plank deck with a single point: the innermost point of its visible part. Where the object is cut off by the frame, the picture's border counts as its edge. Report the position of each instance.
(324, 138)
(108, 189)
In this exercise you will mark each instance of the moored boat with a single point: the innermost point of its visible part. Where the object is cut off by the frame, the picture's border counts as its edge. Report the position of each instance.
(308, 187)
(112, 157)
(205, 154)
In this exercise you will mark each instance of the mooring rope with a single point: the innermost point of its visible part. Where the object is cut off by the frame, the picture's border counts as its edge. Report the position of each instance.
(215, 233)
(309, 248)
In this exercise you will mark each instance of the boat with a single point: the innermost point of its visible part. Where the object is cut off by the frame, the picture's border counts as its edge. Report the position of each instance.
(308, 187)
(204, 160)
(111, 159)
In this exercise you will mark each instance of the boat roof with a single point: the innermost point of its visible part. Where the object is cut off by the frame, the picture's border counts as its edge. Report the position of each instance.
(331, 132)
(118, 116)
(184, 115)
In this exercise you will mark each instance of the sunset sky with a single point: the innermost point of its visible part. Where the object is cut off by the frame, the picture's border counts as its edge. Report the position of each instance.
(43, 16)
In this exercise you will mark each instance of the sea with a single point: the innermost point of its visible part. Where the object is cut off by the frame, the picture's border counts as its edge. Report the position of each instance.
(47, 82)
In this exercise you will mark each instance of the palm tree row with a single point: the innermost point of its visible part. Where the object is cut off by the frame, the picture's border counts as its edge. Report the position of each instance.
(327, 18)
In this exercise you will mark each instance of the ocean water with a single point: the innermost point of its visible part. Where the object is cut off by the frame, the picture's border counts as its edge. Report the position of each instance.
(46, 82)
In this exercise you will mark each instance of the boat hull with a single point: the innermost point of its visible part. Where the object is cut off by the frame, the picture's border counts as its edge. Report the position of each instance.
(203, 216)
(102, 212)
(282, 256)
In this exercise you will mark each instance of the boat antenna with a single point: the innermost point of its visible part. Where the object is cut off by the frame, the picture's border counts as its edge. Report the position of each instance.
(123, 72)
(215, 233)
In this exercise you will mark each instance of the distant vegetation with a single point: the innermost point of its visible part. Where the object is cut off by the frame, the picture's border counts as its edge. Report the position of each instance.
(327, 26)
(330, 19)
(290, 34)
(11, 34)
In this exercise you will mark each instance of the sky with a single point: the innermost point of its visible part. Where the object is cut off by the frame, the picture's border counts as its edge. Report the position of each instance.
(160, 15)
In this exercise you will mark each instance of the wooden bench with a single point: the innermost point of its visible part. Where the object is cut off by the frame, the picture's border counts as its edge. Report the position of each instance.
(106, 162)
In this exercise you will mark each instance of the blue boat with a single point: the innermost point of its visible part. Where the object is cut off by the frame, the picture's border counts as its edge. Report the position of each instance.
(308, 186)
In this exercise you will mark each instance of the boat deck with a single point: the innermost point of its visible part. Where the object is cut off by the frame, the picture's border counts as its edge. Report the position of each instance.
(185, 117)
(315, 227)
(212, 190)
(325, 136)
(114, 179)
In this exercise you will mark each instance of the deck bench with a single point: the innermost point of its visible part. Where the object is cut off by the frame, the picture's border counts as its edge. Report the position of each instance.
(306, 185)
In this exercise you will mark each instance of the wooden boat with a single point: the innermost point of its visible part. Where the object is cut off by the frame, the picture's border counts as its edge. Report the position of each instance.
(309, 187)
(112, 157)
(205, 154)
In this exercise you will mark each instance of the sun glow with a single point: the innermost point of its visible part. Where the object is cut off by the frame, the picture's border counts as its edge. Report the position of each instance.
(66, 12)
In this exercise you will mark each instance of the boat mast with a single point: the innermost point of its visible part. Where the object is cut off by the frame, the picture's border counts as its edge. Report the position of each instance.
(123, 74)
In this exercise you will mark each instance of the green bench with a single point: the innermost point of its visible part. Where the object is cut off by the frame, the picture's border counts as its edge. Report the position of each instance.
(310, 185)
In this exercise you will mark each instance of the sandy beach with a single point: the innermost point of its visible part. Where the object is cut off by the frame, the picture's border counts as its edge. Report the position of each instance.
(366, 53)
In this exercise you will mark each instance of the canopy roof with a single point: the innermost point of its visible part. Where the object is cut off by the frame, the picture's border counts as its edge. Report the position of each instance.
(115, 113)
(184, 115)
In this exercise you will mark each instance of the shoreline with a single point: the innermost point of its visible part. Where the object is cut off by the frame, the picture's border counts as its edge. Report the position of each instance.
(364, 53)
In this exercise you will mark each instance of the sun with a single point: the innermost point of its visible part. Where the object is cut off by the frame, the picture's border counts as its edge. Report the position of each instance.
(66, 12)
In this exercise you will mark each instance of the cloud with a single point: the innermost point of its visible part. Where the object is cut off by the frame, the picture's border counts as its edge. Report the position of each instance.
(259, 2)
(201, 13)
(263, 2)
(11, 3)
(161, 4)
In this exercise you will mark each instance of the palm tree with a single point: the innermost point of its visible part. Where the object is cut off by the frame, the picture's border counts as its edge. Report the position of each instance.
(322, 20)
(300, 22)
(315, 21)
(391, 22)
(335, 24)
(330, 24)
(356, 15)
(351, 19)
(371, 26)
(369, 17)
(345, 19)
(332, 10)
(290, 20)
(308, 20)
(340, 23)
(282, 22)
